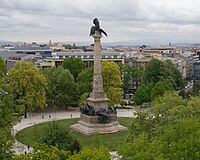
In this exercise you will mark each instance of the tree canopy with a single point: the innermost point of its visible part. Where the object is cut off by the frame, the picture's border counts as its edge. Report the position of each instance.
(2, 67)
(84, 81)
(92, 154)
(130, 73)
(157, 70)
(160, 88)
(196, 87)
(140, 95)
(28, 86)
(170, 70)
(143, 94)
(74, 65)
(9, 116)
(44, 152)
(61, 90)
(169, 130)
(153, 71)
(160, 77)
(58, 135)
(112, 82)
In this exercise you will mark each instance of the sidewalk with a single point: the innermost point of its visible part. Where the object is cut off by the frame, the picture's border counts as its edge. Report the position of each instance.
(44, 117)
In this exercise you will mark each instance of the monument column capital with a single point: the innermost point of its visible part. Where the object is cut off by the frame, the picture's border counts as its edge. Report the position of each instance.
(97, 35)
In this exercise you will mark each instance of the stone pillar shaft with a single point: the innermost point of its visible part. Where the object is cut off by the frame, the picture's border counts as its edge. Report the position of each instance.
(97, 78)
(98, 98)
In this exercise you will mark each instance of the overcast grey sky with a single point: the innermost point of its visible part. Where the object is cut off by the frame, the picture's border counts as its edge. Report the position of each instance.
(123, 20)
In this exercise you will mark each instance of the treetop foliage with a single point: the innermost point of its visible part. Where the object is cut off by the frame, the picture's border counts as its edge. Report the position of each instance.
(61, 90)
(168, 130)
(74, 65)
(2, 67)
(44, 152)
(28, 86)
(112, 82)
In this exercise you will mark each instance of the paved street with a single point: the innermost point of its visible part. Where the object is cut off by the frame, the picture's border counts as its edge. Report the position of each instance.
(44, 117)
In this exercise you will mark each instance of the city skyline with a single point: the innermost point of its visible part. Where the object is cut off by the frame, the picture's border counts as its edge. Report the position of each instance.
(70, 20)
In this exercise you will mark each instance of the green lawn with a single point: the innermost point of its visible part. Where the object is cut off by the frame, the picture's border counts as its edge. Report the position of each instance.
(31, 135)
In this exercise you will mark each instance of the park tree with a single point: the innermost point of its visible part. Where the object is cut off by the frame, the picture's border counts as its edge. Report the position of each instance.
(112, 81)
(55, 134)
(101, 153)
(2, 67)
(143, 94)
(169, 130)
(84, 81)
(172, 73)
(74, 65)
(153, 71)
(9, 116)
(44, 152)
(140, 95)
(127, 71)
(177, 141)
(61, 90)
(160, 88)
(157, 70)
(28, 86)
(130, 73)
(196, 87)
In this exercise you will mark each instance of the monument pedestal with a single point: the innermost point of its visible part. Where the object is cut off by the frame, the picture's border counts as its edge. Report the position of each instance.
(89, 125)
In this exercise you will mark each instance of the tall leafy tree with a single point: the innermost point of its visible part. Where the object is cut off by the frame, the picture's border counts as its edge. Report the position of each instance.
(153, 71)
(112, 82)
(169, 130)
(84, 81)
(160, 88)
(28, 86)
(170, 70)
(157, 70)
(44, 152)
(9, 116)
(127, 71)
(92, 154)
(2, 67)
(130, 73)
(143, 94)
(196, 87)
(61, 90)
(74, 65)
(140, 95)
(58, 135)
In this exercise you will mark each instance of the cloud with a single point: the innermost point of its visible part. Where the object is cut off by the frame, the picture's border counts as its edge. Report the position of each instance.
(63, 20)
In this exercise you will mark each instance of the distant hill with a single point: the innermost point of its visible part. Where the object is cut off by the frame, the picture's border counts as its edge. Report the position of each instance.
(2, 42)
(129, 43)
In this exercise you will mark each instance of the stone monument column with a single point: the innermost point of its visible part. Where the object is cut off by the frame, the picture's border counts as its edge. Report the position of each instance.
(96, 116)
(97, 97)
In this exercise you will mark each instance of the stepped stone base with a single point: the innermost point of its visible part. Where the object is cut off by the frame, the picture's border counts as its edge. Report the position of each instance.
(88, 125)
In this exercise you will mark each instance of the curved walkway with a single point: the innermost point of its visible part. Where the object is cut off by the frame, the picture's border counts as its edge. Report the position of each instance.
(44, 117)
